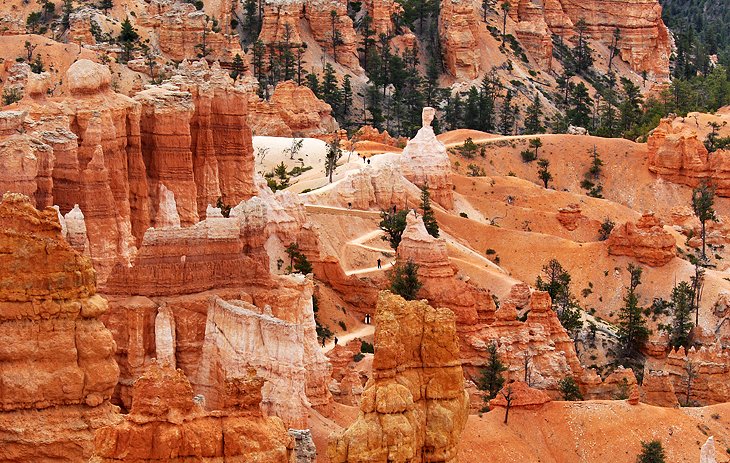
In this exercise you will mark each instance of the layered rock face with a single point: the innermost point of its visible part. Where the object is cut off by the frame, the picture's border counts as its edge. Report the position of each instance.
(644, 42)
(414, 407)
(167, 424)
(425, 162)
(292, 111)
(677, 154)
(381, 13)
(269, 318)
(180, 28)
(57, 368)
(709, 368)
(284, 351)
(458, 32)
(210, 154)
(469, 303)
(284, 18)
(646, 241)
(112, 155)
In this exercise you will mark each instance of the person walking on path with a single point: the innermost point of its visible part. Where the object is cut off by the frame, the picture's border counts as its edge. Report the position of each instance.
(379, 263)
(336, 340)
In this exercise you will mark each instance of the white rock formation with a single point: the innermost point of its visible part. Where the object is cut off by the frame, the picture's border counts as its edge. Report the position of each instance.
(707, 454)
(167, 215)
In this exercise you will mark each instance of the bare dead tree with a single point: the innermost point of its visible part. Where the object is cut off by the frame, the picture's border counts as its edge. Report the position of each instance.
(507, 394)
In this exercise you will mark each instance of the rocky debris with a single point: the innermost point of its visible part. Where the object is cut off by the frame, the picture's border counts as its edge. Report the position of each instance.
(292, 111)
(710, 366)
(646, 241)
(347, 383)
(166, 424)
(425, 162)
(707, 453)
(415, 398)
(80, 25)
(570, 216)
(677, 154)
(57, 371)
(521, 396)
(441, 285)
(458, 31)
(304, 449)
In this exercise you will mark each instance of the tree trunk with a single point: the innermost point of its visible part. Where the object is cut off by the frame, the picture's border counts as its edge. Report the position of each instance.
(704, 257)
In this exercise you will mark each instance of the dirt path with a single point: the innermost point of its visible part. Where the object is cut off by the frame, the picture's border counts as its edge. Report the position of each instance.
(366, 330)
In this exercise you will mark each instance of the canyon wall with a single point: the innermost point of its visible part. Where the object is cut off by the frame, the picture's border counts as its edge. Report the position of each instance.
(57, 369)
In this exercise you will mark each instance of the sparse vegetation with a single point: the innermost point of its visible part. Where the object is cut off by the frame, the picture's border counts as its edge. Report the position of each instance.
(404, 280)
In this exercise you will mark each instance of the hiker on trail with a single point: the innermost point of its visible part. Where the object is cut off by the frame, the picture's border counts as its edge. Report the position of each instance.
(367, 318)
(349, 205)
(324, 340)
(378, 263)
(368, 161)
(336, 340)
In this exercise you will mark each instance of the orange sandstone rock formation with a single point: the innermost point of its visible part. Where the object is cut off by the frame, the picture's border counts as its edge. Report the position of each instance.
(677, 154)
(414, 407)
(425, 162)
(469, 303)
(57, 369)
(458, 32)
(646, 241)
(292, 111)
(167, 423)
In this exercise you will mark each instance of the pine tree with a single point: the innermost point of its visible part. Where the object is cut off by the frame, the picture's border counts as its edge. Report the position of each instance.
(329, 90)
(557, 284)
(258, 60)
(393, 224)
(533, 116)
(346, 94)
(237, 67)
(106, 5)
(542, 171)
(404, 280)
(429, 218)
(334, 153)
(507, 115)
(630, 108)
(583, 52)
(491, 379)
(632, 331)
(127, 38)
(505, 11)
(682, 299)
(592, 178)
(569, 389)
(67, 9)
(581, 103)
(703, 198)
(454, 112)
(651, 452)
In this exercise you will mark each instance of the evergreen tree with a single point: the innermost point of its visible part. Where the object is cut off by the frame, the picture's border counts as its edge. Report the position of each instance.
(583, 52)
(592, 179)
(630, 108)
(569, 389)
(393, 224)
(346, 95)
(330, 91)
(259, 51)
(506, 7)
(556, 283)
(533, 116)
(429, 218)
(579, 113)
(454, 112)
(334, 153)
(404, 280)
(67, 9)
(632, 331)
(127, 38)
(237, 67)
(487, 101)
(106, 5)
(682, 301)
(651, 452)
(491, 379)
(542, 171)
(507, 115)
(703, 199)
(298, 261)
